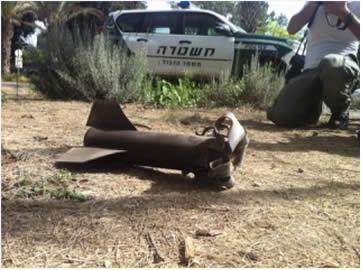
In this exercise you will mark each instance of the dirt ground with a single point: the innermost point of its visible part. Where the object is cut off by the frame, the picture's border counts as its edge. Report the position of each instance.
(296, 202)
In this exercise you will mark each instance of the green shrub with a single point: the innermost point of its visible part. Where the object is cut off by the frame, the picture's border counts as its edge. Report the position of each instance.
(161, 93)
(224, 92)
(258, 86)
(261, 84)
(77, 66)
(11, 77)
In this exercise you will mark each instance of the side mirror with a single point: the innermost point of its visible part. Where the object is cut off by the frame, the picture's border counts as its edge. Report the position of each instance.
(224, 30)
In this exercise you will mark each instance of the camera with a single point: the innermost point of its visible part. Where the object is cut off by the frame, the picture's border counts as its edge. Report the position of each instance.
(297, 62)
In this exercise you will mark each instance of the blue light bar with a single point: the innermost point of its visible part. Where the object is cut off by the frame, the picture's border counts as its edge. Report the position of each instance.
(184, 4)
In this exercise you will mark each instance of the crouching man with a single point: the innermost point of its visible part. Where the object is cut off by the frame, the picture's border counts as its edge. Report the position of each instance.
(331, 66)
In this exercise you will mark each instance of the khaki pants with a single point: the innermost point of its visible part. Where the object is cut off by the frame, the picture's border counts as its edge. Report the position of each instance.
(300, 101)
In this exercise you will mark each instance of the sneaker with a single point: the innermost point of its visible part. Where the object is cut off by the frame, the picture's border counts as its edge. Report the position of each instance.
(338, 122)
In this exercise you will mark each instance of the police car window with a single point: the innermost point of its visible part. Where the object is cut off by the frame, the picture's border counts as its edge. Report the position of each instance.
(160, 23)
(130, 22)
(201, 24)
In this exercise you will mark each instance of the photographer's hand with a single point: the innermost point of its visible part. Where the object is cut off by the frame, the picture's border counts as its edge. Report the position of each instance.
(340, 9)
(301, 18)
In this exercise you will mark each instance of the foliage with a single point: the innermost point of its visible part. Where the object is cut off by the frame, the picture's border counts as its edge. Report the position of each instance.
(53, 187)
(82, 69)
(21, 32)
(224, 92)
(12, 77)
(247, 14)
(221, 7)
(355, 104)
(260, 84)
(122, 5)
(32, 55)
(161, 93)
(61, 12)
(258, 87)
(274, 29)
(11, 16)
(253, 14)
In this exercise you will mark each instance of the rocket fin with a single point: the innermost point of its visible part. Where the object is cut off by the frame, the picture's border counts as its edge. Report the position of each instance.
(85, 154)
(108, 115)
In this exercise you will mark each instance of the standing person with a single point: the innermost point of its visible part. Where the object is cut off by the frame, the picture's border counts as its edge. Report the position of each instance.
(330, 70)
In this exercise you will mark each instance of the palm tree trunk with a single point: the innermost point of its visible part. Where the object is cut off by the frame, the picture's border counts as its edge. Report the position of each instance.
(7, 33)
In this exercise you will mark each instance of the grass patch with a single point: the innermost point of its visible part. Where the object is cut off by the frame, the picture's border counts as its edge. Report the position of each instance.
(11, 77)
(53, 187)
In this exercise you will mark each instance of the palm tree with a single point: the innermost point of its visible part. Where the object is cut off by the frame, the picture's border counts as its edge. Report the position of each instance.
(55, 15)
(11, 15)
(58, 13)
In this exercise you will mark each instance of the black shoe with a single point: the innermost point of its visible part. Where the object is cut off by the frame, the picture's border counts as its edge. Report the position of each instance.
(338, 122)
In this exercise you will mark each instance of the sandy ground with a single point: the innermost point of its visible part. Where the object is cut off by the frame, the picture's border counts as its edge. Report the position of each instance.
(296, 202)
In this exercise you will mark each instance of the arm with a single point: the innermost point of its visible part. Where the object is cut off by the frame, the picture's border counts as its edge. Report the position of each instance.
(301, 18)
(341, 10)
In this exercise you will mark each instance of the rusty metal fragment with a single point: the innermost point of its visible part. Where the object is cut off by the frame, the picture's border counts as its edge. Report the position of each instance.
(208, 157)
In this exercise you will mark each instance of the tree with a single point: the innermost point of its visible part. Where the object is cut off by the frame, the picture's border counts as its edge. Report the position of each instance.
(253, 14)
(11, 16)
(122, 5)
(222, 7)
(21, 33)
(282, 20)
(273, 29)
(71, 14)
(57, 13)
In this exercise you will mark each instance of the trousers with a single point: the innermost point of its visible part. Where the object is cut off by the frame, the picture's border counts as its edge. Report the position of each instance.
(299, 102)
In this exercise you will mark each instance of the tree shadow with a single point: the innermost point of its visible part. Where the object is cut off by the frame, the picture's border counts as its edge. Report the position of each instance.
(40, 213)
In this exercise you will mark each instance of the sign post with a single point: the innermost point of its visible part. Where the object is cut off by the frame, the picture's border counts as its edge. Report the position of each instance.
(18, 65)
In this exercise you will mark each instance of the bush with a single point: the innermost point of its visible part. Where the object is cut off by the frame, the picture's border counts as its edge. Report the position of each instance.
(79, 67)
(258, 86)
(261, 85)
(75, 66)
(224, 92)
(11, 77)
(161, 93)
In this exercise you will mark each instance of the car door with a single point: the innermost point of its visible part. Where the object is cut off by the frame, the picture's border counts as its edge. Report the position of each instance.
(129, 26)
(162, 38)
(210, 44)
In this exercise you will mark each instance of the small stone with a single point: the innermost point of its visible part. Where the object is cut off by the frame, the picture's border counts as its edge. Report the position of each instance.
(255, 184)
(107, 264)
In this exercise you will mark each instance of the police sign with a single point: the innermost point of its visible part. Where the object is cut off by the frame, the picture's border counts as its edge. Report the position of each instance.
(18, 58)
(18, 62)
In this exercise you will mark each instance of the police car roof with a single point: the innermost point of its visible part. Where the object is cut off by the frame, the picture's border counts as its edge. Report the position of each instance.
(185, 10)
(167, 10)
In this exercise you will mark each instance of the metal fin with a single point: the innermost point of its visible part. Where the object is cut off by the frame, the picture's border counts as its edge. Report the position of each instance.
(85, 154)
(109, 116)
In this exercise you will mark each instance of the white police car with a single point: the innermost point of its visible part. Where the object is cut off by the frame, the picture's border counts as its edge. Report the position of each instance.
(202, 41)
